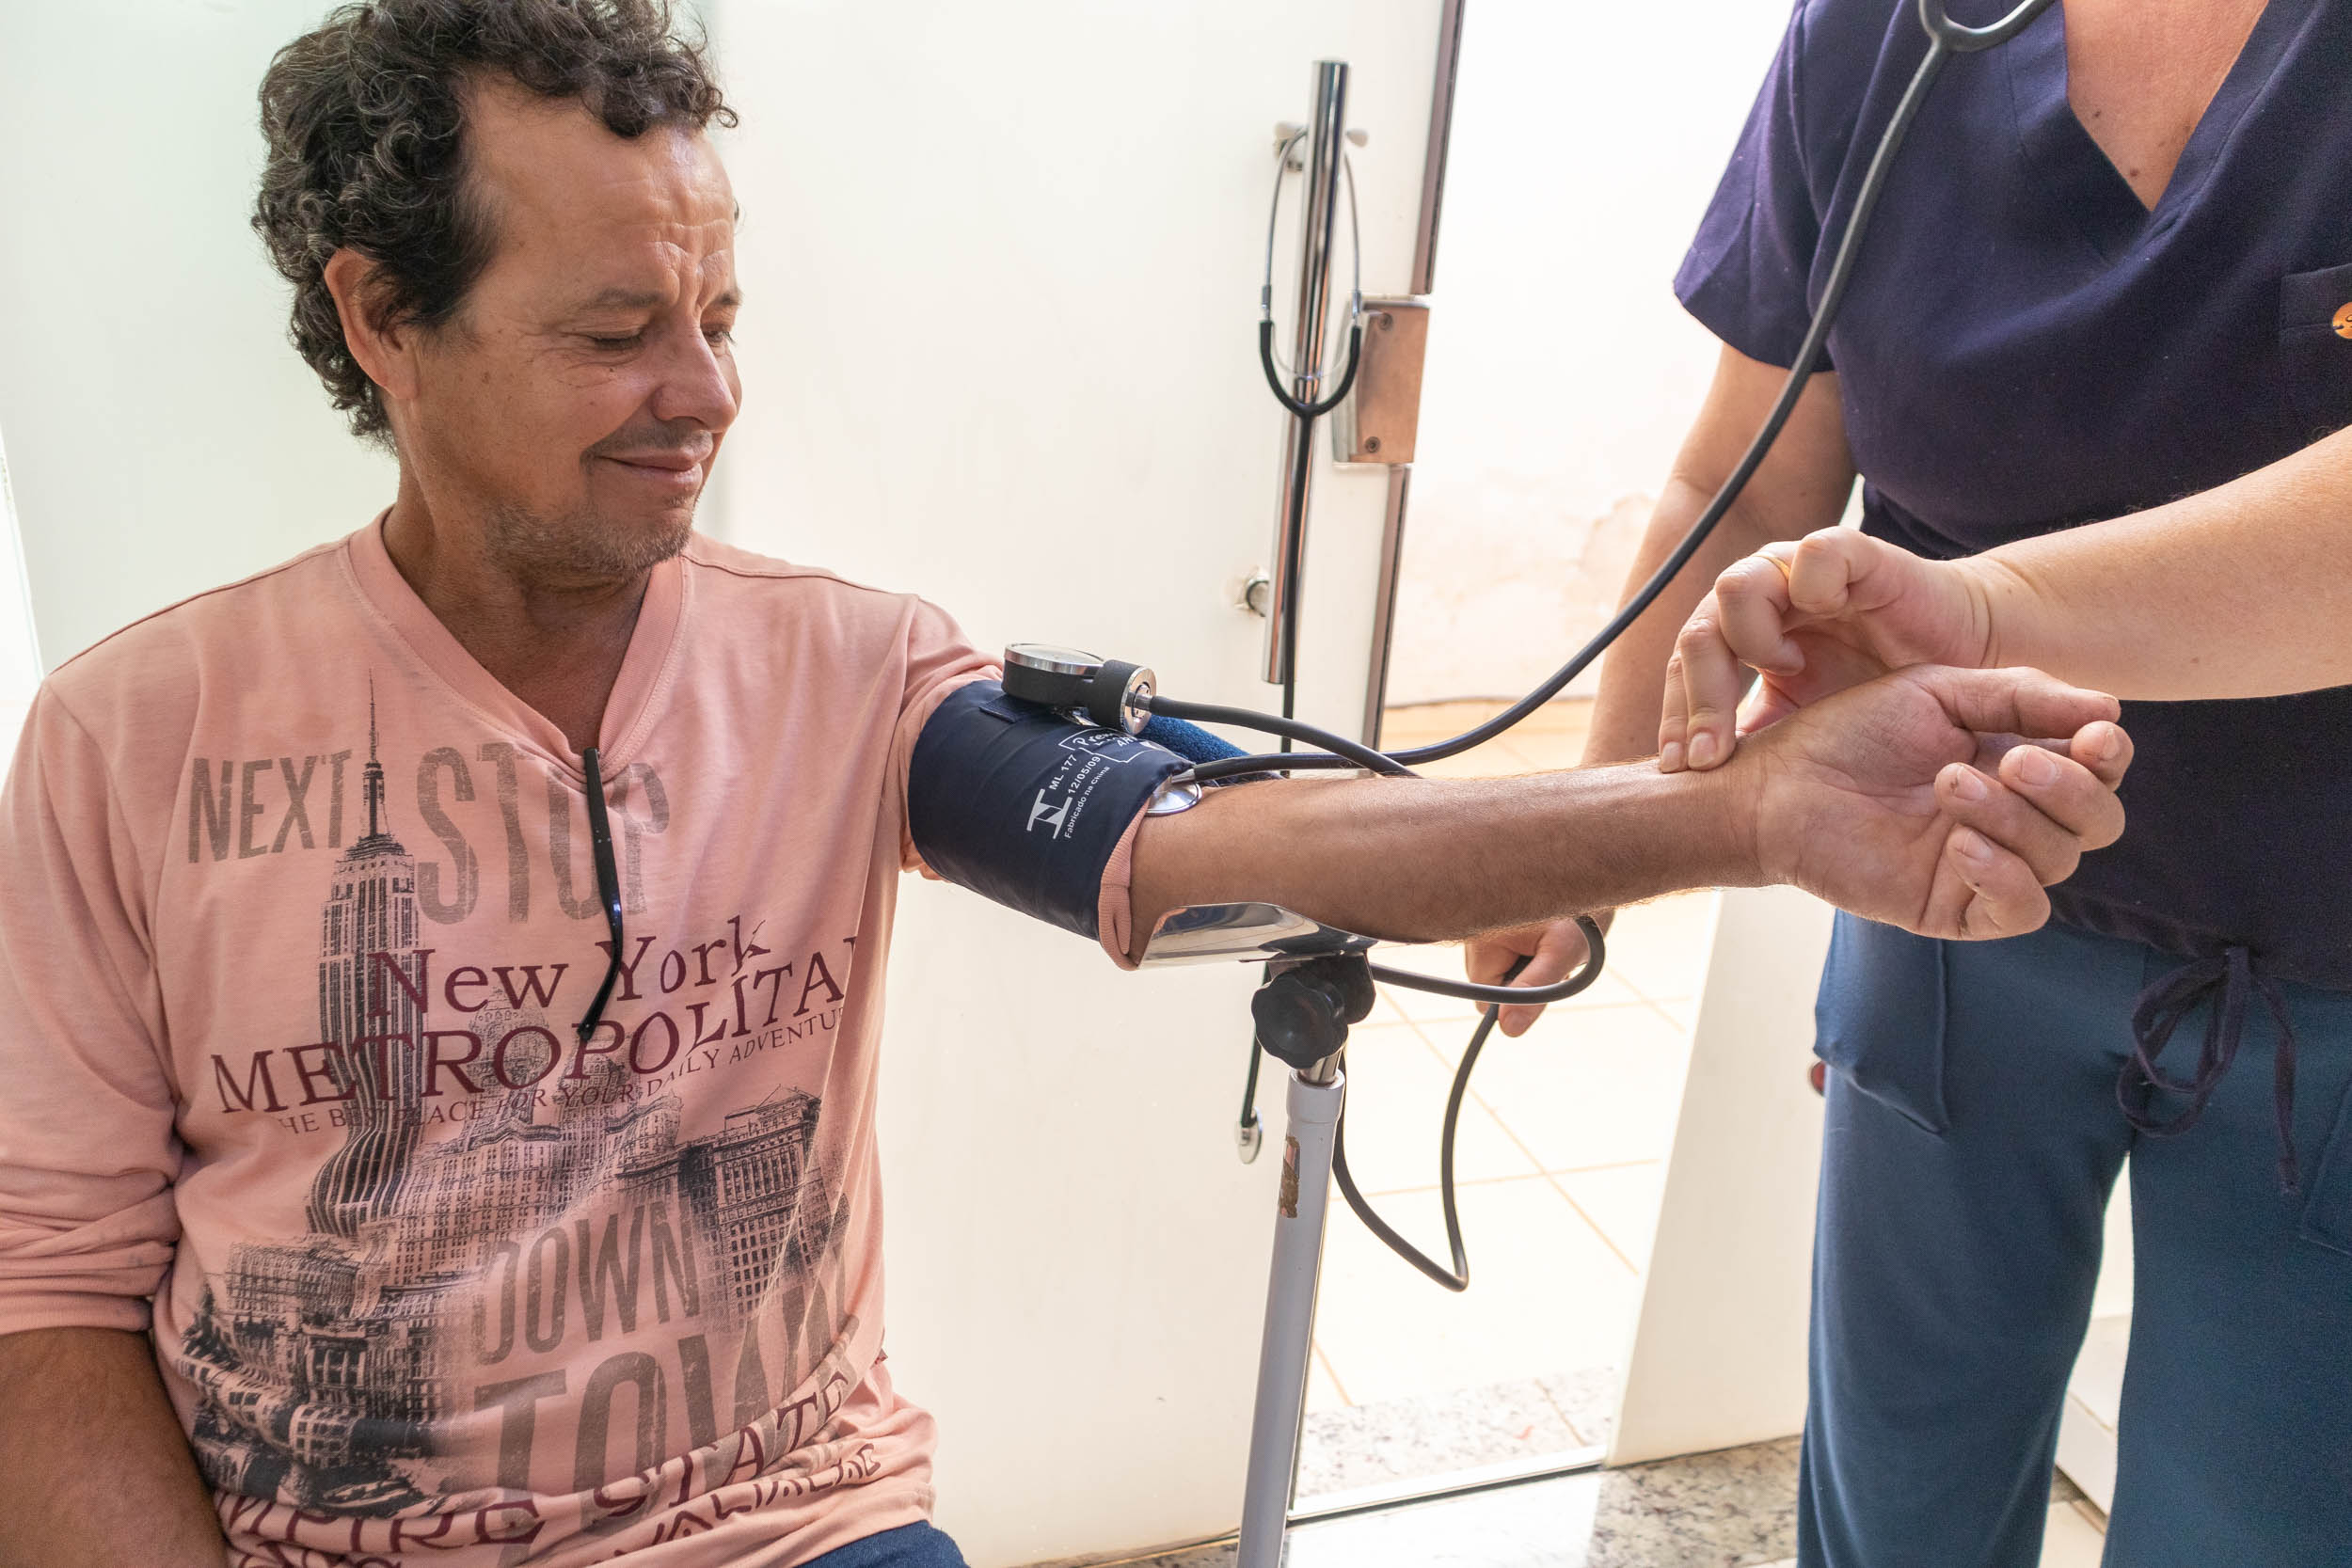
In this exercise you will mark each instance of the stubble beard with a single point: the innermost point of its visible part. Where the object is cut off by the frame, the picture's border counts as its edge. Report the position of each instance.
(582, 546)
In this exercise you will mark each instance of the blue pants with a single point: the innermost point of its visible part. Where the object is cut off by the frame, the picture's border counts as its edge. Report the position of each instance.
(1973, 1136)
(908, 1546)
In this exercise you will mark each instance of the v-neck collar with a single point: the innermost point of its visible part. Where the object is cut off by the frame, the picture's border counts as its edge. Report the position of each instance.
(2079, 172)
(644, 678)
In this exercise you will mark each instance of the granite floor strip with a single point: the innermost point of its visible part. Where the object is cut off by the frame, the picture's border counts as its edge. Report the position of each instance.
(1736, 1508)
(1430, 1435)
(1731, 1509)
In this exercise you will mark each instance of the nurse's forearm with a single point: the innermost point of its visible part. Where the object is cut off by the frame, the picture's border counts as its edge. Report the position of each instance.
(2243, 591)
(1802, 486)
(1624, 710)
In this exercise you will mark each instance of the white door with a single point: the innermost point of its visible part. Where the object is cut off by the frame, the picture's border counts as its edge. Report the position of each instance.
(1003, 267)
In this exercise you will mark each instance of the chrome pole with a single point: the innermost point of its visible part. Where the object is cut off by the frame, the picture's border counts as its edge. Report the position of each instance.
(1324, 139)
(1316, 1097)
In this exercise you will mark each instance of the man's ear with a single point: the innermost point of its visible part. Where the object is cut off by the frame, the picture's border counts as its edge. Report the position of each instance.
(386, 353)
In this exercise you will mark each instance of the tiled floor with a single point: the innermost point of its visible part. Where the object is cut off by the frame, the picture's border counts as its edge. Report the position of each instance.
(1731, 1509)
(1559, 1166)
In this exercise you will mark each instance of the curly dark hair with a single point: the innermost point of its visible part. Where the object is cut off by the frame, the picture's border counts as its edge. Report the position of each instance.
(365, 121)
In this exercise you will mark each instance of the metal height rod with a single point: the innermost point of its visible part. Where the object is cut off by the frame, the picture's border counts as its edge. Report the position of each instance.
(1315, 1098)
(1325, 147)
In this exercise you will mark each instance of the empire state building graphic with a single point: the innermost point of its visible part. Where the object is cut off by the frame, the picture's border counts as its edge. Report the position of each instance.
(370, 976)
(456, 1242)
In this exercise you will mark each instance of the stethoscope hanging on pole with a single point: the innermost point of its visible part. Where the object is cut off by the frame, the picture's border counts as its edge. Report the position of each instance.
(1275, 370)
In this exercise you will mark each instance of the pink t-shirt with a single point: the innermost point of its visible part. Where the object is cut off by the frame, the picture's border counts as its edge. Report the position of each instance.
(301, 918)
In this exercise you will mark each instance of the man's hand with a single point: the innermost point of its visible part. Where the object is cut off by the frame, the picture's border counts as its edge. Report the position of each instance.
(1553, 951)
(94, 1472)
(1812, 617)
(1919, 798)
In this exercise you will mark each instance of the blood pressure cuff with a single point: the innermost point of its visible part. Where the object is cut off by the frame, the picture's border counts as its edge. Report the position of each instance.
(1038, 813)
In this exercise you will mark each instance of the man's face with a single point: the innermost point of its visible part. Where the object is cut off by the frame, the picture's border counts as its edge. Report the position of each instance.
(574, 406)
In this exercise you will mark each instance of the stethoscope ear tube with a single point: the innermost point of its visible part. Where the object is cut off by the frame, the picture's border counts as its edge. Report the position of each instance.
(1937, 20)
(1338, 393)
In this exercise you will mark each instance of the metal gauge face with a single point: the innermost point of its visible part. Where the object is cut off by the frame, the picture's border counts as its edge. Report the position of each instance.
(1049, 658)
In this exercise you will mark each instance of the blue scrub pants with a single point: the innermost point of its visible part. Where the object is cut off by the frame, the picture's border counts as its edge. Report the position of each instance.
(1973, 1136)
(908, 1546)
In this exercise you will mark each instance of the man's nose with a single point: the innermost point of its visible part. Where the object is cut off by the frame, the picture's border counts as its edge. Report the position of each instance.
(697, 385)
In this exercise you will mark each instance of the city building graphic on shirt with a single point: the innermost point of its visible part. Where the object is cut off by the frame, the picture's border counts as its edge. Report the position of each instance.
(327, 1363)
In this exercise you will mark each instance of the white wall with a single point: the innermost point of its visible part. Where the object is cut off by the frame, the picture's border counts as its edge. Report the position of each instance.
(165, 438)
(1719, 1350)
(1002, 266)
(1562, 372)
(20, 653)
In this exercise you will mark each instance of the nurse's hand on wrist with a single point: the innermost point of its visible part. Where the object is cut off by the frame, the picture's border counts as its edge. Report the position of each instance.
(1812, 617)
(1913, 801)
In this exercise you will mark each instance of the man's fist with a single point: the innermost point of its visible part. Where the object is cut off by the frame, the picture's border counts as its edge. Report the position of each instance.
(1935, 799)
(1812, 617)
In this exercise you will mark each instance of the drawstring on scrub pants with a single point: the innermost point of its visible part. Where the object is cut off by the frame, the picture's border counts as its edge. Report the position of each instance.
(2160, 1009)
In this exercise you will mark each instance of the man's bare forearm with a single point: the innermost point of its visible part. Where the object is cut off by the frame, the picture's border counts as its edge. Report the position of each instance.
(1431, 859)
(94, 1472)
(2243, 591)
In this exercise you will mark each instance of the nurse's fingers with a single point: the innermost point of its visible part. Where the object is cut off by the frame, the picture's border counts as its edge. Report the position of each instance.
(1701, 703)
(1825, 565)
(1981, 892)
(1754, 597)
(1766, 706)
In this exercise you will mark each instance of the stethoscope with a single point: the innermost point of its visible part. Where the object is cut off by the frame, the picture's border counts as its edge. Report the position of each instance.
(1126, 696)
(1303, 1009)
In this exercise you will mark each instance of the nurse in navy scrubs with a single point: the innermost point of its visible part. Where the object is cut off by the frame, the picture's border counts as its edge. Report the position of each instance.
(2112, 270)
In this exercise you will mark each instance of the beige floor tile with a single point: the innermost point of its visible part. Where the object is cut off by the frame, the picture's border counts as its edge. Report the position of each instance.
(1497, 759)
(1682, 1013)
(1544, 1291)
(1423, 722)
(1622, 1201)
(2071, 1540)
(1567, 1025)
(1396, 1091)
(1661, 948)
(1548, 750)
(1323, 1390)
(1601, 1089)
(1426, 720)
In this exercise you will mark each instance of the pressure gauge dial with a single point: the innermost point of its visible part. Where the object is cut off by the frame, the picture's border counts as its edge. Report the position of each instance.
(1110, 693)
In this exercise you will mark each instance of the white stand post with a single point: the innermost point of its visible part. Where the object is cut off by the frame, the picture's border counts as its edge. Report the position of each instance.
(1316, 1097)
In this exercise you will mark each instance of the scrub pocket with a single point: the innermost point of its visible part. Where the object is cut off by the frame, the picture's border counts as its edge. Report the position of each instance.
(2315, 349)
(1879, 1017)
(2327, 1214)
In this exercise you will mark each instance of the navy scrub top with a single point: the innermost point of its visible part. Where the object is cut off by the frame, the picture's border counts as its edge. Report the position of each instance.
(2026, 348)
